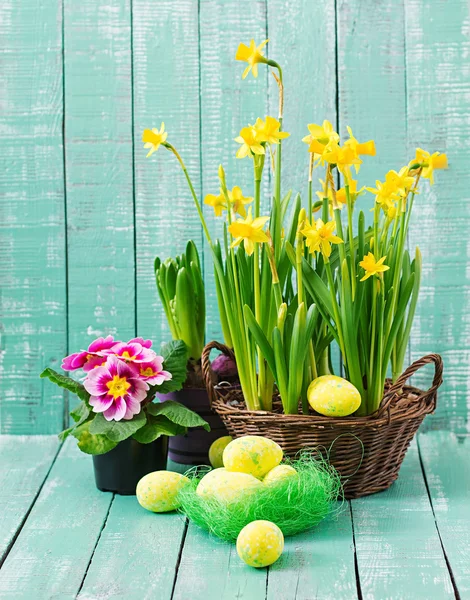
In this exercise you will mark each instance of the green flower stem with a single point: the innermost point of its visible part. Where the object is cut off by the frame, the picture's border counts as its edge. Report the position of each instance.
(256, 283)
(277, 226)
(397, 269)
(310, 203)
(193, 193)
(237, 331)
(241, 321)
(331, 285)
(324, 365)
(313, 360)
(372, 366)
(351, 239)
(299, 252)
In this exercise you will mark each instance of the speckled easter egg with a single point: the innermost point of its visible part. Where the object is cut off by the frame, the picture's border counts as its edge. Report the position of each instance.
(217, 449)
(280, 473)
(260, 543)
(158, 491)
(252, 454)
(333, 396)
(227, 486)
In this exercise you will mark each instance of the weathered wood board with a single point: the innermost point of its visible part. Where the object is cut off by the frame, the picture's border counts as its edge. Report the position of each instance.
(84, 213)
(62, 538)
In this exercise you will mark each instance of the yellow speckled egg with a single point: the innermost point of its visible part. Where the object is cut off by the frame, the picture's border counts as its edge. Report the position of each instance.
(252, 454)
(227, 486)
(333, 396)
(217, 449)
(260, 543)
(280, 473)
(158, 491)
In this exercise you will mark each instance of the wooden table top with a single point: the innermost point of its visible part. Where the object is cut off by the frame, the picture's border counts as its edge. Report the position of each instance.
(62, 538)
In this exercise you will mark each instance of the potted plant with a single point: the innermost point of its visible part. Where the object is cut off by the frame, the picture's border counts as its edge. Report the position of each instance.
(118, 420)
(293, 287)
(181, 289)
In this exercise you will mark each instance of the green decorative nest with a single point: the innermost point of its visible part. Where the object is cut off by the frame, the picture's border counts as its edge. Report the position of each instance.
(293, 504)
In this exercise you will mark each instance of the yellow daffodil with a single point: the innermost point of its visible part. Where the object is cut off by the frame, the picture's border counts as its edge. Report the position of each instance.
(320, 236)
(249, 231)
(353, 192)
(371, 266)
(385, 193)
(152, 138)
(238, 201)
(218, 203)
(367, 148)
(343, 157)
(341, 199)
(400, 182)
(320, 136)
(429, 162)
(321, 193)
(250, 143)
(252, 55)
(268, 130)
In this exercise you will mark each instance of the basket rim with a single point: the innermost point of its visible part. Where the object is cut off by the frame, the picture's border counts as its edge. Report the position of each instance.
(408, 408)
(397, 403)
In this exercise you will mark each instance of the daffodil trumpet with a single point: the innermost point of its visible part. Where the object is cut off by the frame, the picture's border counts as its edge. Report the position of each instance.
(293, 283)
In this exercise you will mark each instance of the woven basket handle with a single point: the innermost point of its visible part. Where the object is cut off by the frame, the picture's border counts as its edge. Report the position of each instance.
(207, 372)
(400, 382)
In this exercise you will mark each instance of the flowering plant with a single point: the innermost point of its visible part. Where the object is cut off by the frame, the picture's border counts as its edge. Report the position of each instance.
(118, 391)
(291, 288)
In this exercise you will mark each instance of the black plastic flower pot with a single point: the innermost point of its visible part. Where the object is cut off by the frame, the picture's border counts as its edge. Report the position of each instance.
(120, 470)
(193, 448)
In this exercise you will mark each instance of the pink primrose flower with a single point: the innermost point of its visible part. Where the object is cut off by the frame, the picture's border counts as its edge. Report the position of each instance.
(142, 342)
(91, 358)
(152, 372)
(116, 389)
(132, 352)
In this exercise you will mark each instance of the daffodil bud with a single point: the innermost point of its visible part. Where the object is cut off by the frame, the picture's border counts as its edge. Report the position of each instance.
(222, 176)
(281, 315)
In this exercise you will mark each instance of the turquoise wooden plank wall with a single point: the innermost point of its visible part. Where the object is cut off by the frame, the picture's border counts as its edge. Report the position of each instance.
(84, 213)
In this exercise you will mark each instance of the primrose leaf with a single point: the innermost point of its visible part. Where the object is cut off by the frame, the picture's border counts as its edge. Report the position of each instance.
(177, 413)
(79, 414)
(117, 431)
(67, 383)
(92, 444)
(156, 427)
(175, 359)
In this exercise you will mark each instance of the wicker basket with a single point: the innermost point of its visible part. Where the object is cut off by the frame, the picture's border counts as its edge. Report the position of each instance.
(367, 451)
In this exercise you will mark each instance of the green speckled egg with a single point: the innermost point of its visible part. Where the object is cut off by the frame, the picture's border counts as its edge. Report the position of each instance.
(260, 543)
(227, 486)
(158, 491)
(216, 450)
(333, 396)
(252, 454)
(280, 473)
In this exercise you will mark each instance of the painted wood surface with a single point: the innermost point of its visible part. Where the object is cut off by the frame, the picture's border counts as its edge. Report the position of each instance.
(24, 465)
(166, 88)
(78, 244)
(136, 556)
(399, 554)
(317, 564)
(210, 568)
(438, 101)
(78, 542)
(447, 469)
(99, 177)
(32, 224)
(52, 552)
